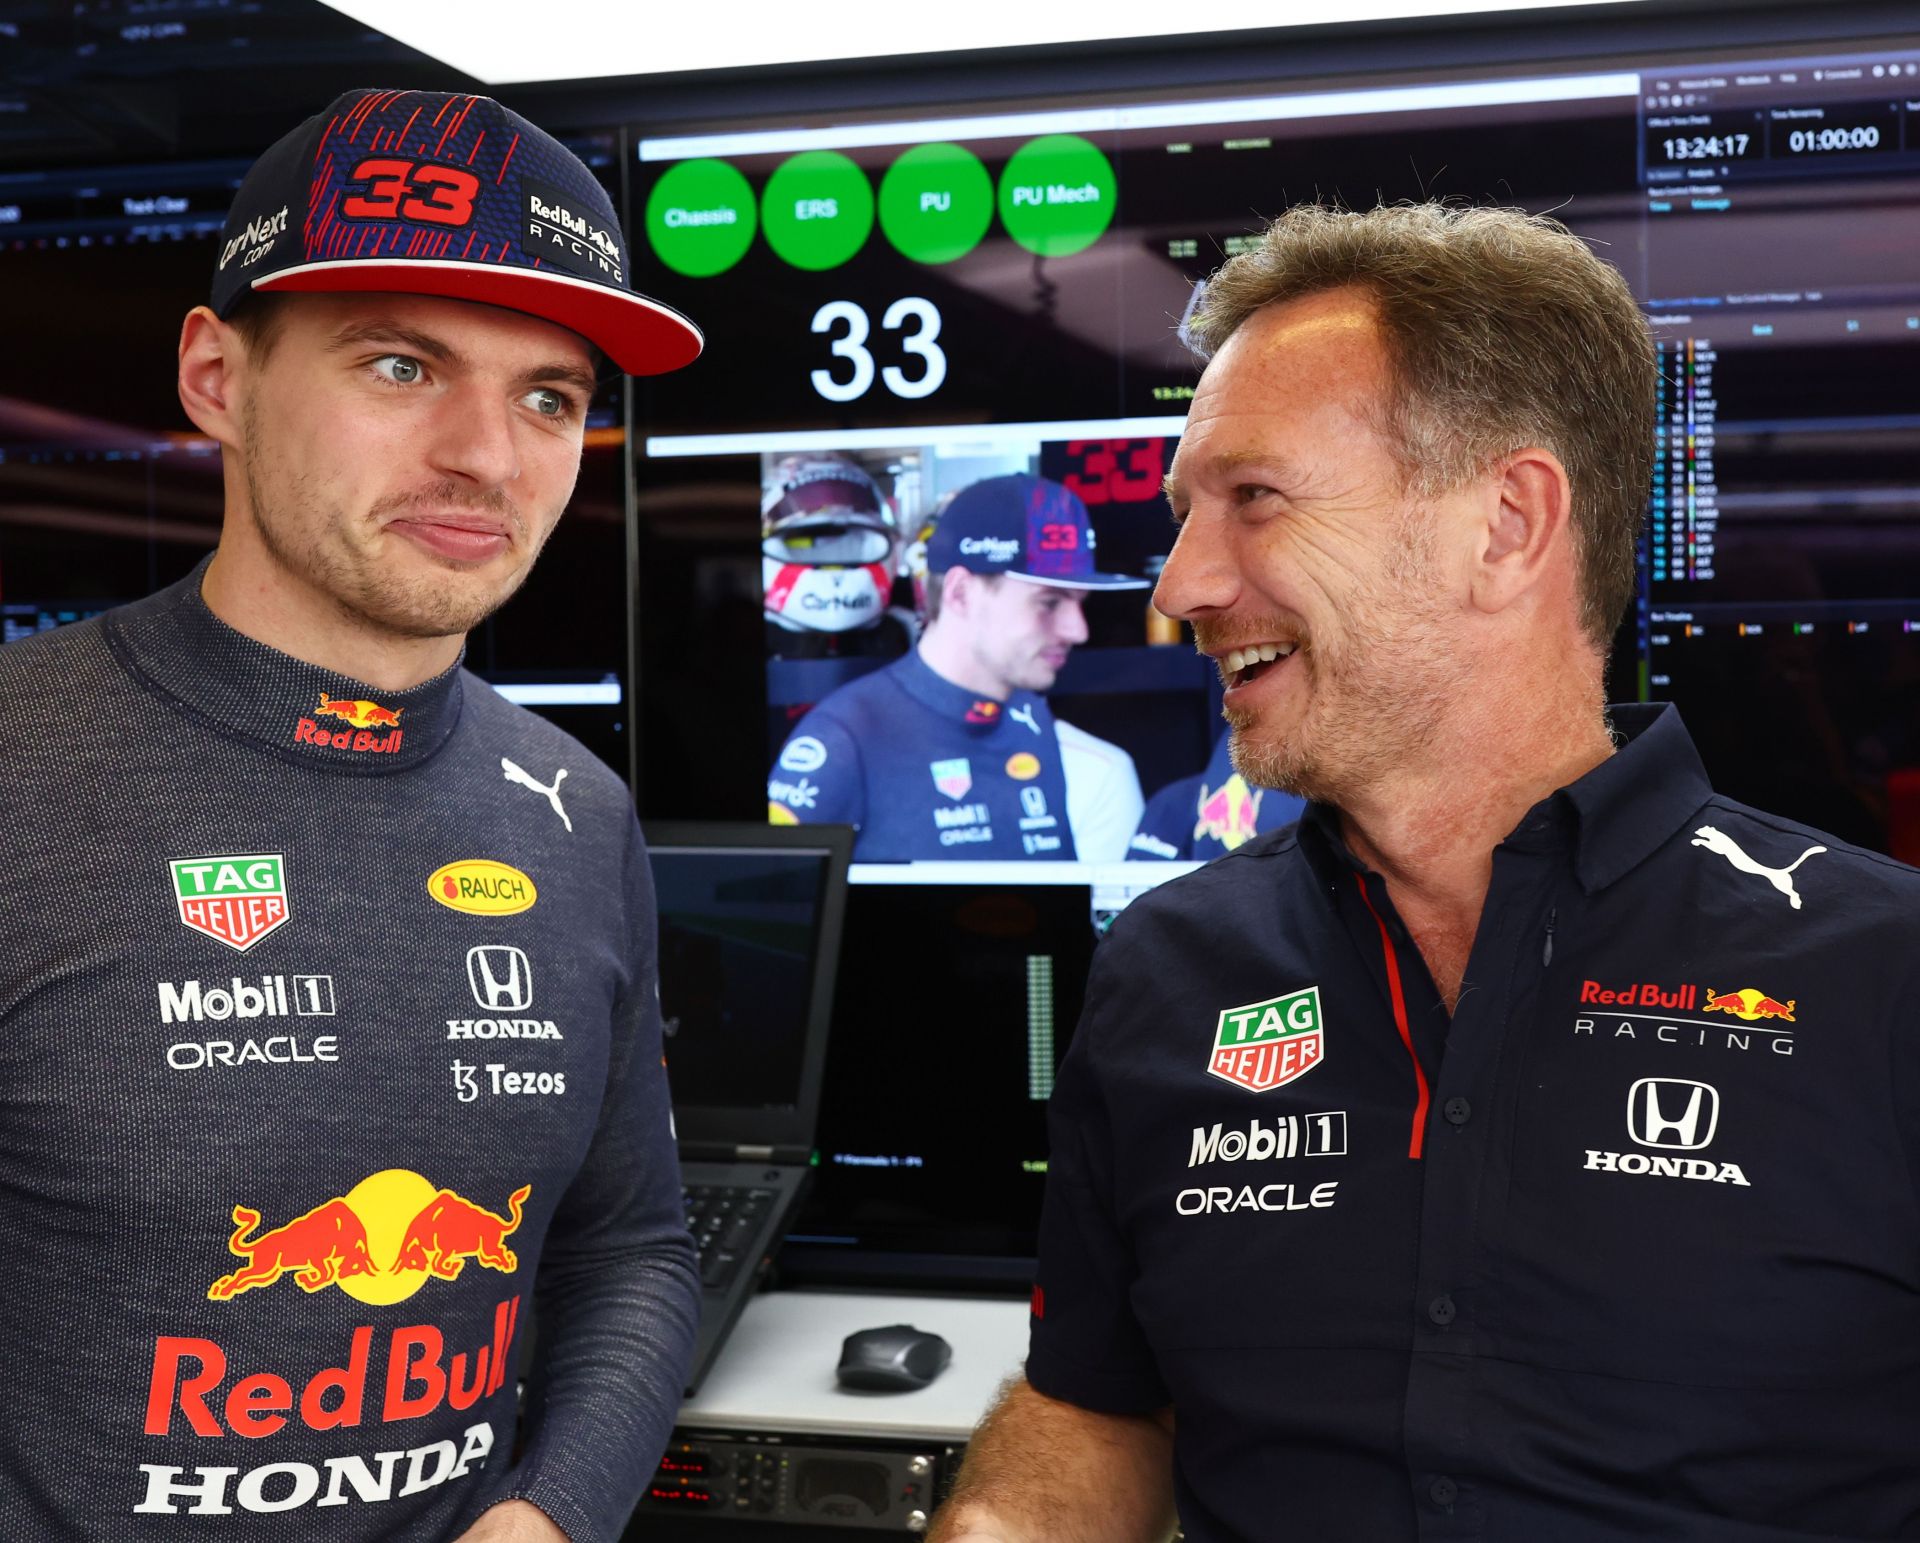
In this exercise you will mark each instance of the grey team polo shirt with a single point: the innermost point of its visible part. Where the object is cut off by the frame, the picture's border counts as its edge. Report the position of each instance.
(328, 1046)
(1629, 1249)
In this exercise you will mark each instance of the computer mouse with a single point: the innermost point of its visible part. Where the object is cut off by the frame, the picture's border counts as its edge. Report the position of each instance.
(896, 1359)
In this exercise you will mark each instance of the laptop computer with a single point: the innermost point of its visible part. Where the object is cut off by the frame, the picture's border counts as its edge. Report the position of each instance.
(750, 918)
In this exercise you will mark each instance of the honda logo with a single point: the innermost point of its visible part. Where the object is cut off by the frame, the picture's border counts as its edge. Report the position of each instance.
(1671, 1114)
(501, 978)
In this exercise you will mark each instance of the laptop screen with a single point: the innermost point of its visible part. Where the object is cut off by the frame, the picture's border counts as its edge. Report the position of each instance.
(741, 956)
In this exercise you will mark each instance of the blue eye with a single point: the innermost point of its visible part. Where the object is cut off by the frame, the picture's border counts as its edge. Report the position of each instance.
(549, 404)
(401, 369)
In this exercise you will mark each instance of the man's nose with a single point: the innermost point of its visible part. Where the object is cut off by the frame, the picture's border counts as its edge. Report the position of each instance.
(474, 438)
(1200, 575)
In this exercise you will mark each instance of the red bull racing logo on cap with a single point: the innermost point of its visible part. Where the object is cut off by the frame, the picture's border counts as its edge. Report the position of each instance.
(379, 1243)
(361, 717)
(1265, 1045)
(234, 900)
(1230, 813)
(1748, 1004)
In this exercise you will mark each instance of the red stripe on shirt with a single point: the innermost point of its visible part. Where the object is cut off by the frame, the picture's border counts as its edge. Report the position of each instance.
(503, 165)
(1417, 1144)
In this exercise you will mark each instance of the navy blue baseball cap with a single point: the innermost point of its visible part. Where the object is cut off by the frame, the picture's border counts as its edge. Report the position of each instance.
(432, 193)
(1024, 526)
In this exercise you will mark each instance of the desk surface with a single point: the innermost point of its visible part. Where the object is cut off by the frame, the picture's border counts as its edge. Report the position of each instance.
(776, 1372)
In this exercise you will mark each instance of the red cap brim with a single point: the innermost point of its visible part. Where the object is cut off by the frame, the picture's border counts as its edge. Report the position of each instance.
(641, 336)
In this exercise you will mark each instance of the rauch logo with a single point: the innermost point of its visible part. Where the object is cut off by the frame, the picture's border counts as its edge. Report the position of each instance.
(480, 886)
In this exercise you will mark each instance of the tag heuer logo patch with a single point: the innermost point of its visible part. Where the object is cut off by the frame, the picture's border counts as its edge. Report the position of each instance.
(236, 900)
(1265, 1044)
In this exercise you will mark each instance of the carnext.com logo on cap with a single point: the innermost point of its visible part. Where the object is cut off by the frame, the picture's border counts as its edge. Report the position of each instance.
(257, 238)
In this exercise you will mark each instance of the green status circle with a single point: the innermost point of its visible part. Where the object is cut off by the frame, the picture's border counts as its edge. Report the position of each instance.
(936, 202)
(700, 218)
(817, 209)
(1057, 195)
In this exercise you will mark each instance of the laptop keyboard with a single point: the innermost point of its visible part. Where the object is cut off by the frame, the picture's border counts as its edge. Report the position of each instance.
(725, 1219)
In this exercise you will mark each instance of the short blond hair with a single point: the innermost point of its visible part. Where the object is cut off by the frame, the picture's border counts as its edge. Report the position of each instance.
(1502, 330)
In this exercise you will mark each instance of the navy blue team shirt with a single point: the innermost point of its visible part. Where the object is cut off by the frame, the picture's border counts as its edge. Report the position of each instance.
(927, 770)
(1629, 1249)
(1204, 816)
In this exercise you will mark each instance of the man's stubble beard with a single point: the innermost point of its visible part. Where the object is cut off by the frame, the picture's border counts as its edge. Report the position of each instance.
(1375, 692)
(367, 594)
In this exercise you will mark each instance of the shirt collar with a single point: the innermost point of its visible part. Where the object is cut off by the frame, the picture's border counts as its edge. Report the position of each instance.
(930, 688)
(1617, 815)
(1633, 802)
(299, 711)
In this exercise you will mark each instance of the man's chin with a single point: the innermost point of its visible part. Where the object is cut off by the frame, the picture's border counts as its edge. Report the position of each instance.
(1262, 763)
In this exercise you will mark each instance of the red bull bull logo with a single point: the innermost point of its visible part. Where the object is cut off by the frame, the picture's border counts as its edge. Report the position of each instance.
(1749, 1005)
(1230, 814)
(361, 717)
(361, 714)
(379, 1243)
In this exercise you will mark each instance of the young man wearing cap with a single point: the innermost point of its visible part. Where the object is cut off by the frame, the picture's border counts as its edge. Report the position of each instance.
(329, 1041)
(952, 752)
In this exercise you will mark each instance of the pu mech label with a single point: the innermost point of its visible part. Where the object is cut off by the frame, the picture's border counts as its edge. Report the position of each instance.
(234, 900)
(1265, 1045)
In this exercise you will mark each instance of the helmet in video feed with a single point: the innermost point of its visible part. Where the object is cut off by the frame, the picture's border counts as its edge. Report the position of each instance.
(826, 545)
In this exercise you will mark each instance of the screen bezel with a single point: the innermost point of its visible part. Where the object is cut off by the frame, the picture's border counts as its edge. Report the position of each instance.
(790, 1126)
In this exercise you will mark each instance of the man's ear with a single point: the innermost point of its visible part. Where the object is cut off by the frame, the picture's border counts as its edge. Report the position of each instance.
(213, 361)
(1527, 514)
(956, 592)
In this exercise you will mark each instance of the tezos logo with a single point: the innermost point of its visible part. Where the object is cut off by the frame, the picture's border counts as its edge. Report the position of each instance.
(1670, 1114)
(1264, 1045)
(234, 900)
(480, 886)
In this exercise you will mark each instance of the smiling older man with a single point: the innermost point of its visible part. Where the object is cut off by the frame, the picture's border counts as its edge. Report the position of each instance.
(1524, 1148)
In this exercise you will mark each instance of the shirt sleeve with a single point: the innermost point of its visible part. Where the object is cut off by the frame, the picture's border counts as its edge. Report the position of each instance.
(1085, 1345)
(618, 1294)
(1166, 828)
(818, 778)
(1103, 794)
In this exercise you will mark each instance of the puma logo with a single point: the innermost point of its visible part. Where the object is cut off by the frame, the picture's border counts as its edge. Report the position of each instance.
(521, 778)
(1780, 878)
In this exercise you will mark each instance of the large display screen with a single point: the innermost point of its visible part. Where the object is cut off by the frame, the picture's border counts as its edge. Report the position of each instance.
(899, 311)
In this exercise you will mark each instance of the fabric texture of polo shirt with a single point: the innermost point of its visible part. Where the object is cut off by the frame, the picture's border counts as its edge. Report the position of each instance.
(1629, 1249)
(927, 770)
